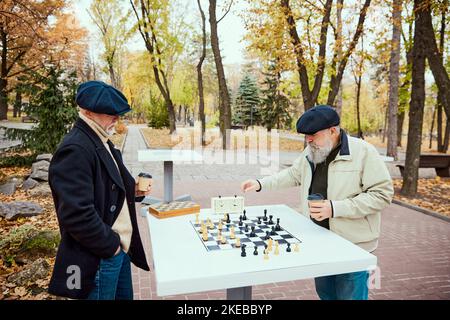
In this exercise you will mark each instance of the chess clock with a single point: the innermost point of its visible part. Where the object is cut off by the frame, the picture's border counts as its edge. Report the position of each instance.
(222, 205)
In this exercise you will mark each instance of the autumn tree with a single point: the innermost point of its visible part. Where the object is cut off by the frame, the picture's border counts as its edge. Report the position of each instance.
(273, 31)
(111, 20)
(32, 35)
(153, 19)
(201, 98)
(394, 69)
(224, 98)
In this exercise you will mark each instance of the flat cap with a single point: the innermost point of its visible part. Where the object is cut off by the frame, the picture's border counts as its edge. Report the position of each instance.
(99, 97)
(316, 119)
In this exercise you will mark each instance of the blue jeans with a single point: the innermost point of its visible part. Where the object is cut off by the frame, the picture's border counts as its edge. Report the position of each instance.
(113, 279)
(347, 286)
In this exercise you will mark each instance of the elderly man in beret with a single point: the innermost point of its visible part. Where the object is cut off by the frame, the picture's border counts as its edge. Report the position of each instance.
(94, 197)
(351, 176)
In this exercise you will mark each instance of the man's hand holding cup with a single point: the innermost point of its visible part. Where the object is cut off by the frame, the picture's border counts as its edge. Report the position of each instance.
(144, 184)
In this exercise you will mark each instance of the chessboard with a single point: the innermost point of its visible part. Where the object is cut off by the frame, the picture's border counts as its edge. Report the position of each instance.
(163, 210)
(259, 240)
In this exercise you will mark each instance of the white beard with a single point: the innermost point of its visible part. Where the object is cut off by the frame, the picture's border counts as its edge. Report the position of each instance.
(319, 154)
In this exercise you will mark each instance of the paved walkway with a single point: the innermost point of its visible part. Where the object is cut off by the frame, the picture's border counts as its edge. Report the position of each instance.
(413, 254)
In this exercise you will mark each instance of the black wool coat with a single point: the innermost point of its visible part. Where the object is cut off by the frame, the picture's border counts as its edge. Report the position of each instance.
(89, 193)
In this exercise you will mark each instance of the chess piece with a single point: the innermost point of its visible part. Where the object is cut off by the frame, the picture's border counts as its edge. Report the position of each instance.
(265, 215)
(205, 235)
(252, 234)
(238, 243)
(219, 237)
(267, 237)
(240, 221)
(220, 226)
(272, 233)
(244, 217)
(243, 253)
(288, 249)
(278, 227)
(228, 219)
(259, 220)
(246, 228)
(296, 247)
(256, 251)
(232, 235)
(269, 244)
(277, 249)
(270, 220)
(224, 240)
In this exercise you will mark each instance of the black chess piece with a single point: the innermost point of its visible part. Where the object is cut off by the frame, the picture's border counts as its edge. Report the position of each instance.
(259, 220)
(288, 249)
(240, 221)
(253, 234)
(278, 227)
(243, 253)
(256, 251)
(228, 218)
(270, 220)
(265, 215)
(244, 217)
(273, 231)
(267, 235)
(246, 228)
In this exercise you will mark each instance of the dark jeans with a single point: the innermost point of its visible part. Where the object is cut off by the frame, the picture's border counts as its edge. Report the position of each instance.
(347, 286)
(113, 279)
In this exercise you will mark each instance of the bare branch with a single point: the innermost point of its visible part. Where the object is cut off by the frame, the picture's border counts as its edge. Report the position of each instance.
(228, 10)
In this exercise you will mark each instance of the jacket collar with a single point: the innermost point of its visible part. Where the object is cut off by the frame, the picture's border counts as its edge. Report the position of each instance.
(344, 153)
(103, 154)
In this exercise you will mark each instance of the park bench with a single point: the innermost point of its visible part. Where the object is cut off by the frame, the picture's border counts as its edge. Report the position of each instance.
(440, 162)
(29, 119)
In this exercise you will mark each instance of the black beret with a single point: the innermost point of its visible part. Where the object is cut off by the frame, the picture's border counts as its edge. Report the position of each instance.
(99, 97)
(316, 119)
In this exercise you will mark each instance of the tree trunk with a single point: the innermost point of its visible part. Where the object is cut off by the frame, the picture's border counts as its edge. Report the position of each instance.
(386, 113)
(112, 76)
(394, 71)
(339, 7)
(309, 96)
(416, 108)
(446, 137)
(400, 121)
(3, 75)
(358, 100)
(440, 143)
(201, 107)
(3, 100)
(224, 98)
(432, 128)
(17, 104)
(336, 79)
(435, 56)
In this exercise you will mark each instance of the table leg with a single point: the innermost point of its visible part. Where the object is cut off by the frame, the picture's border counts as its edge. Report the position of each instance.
(168, 181)
(242, 293)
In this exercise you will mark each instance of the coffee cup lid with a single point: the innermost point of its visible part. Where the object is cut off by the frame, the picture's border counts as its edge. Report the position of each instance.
(315, 196)
(145, 175)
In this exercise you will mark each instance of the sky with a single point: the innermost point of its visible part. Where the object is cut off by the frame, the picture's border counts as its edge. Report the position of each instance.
(231, 28)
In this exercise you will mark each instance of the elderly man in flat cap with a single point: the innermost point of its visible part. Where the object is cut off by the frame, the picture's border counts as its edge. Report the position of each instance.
(351, 176)
(94, 197)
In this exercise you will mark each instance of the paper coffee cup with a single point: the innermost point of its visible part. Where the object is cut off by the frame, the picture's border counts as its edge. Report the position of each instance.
(144, 180)
(315, 198)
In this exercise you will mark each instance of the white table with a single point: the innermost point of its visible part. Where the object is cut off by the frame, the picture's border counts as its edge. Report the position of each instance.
(183, 265)
(168, 156)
